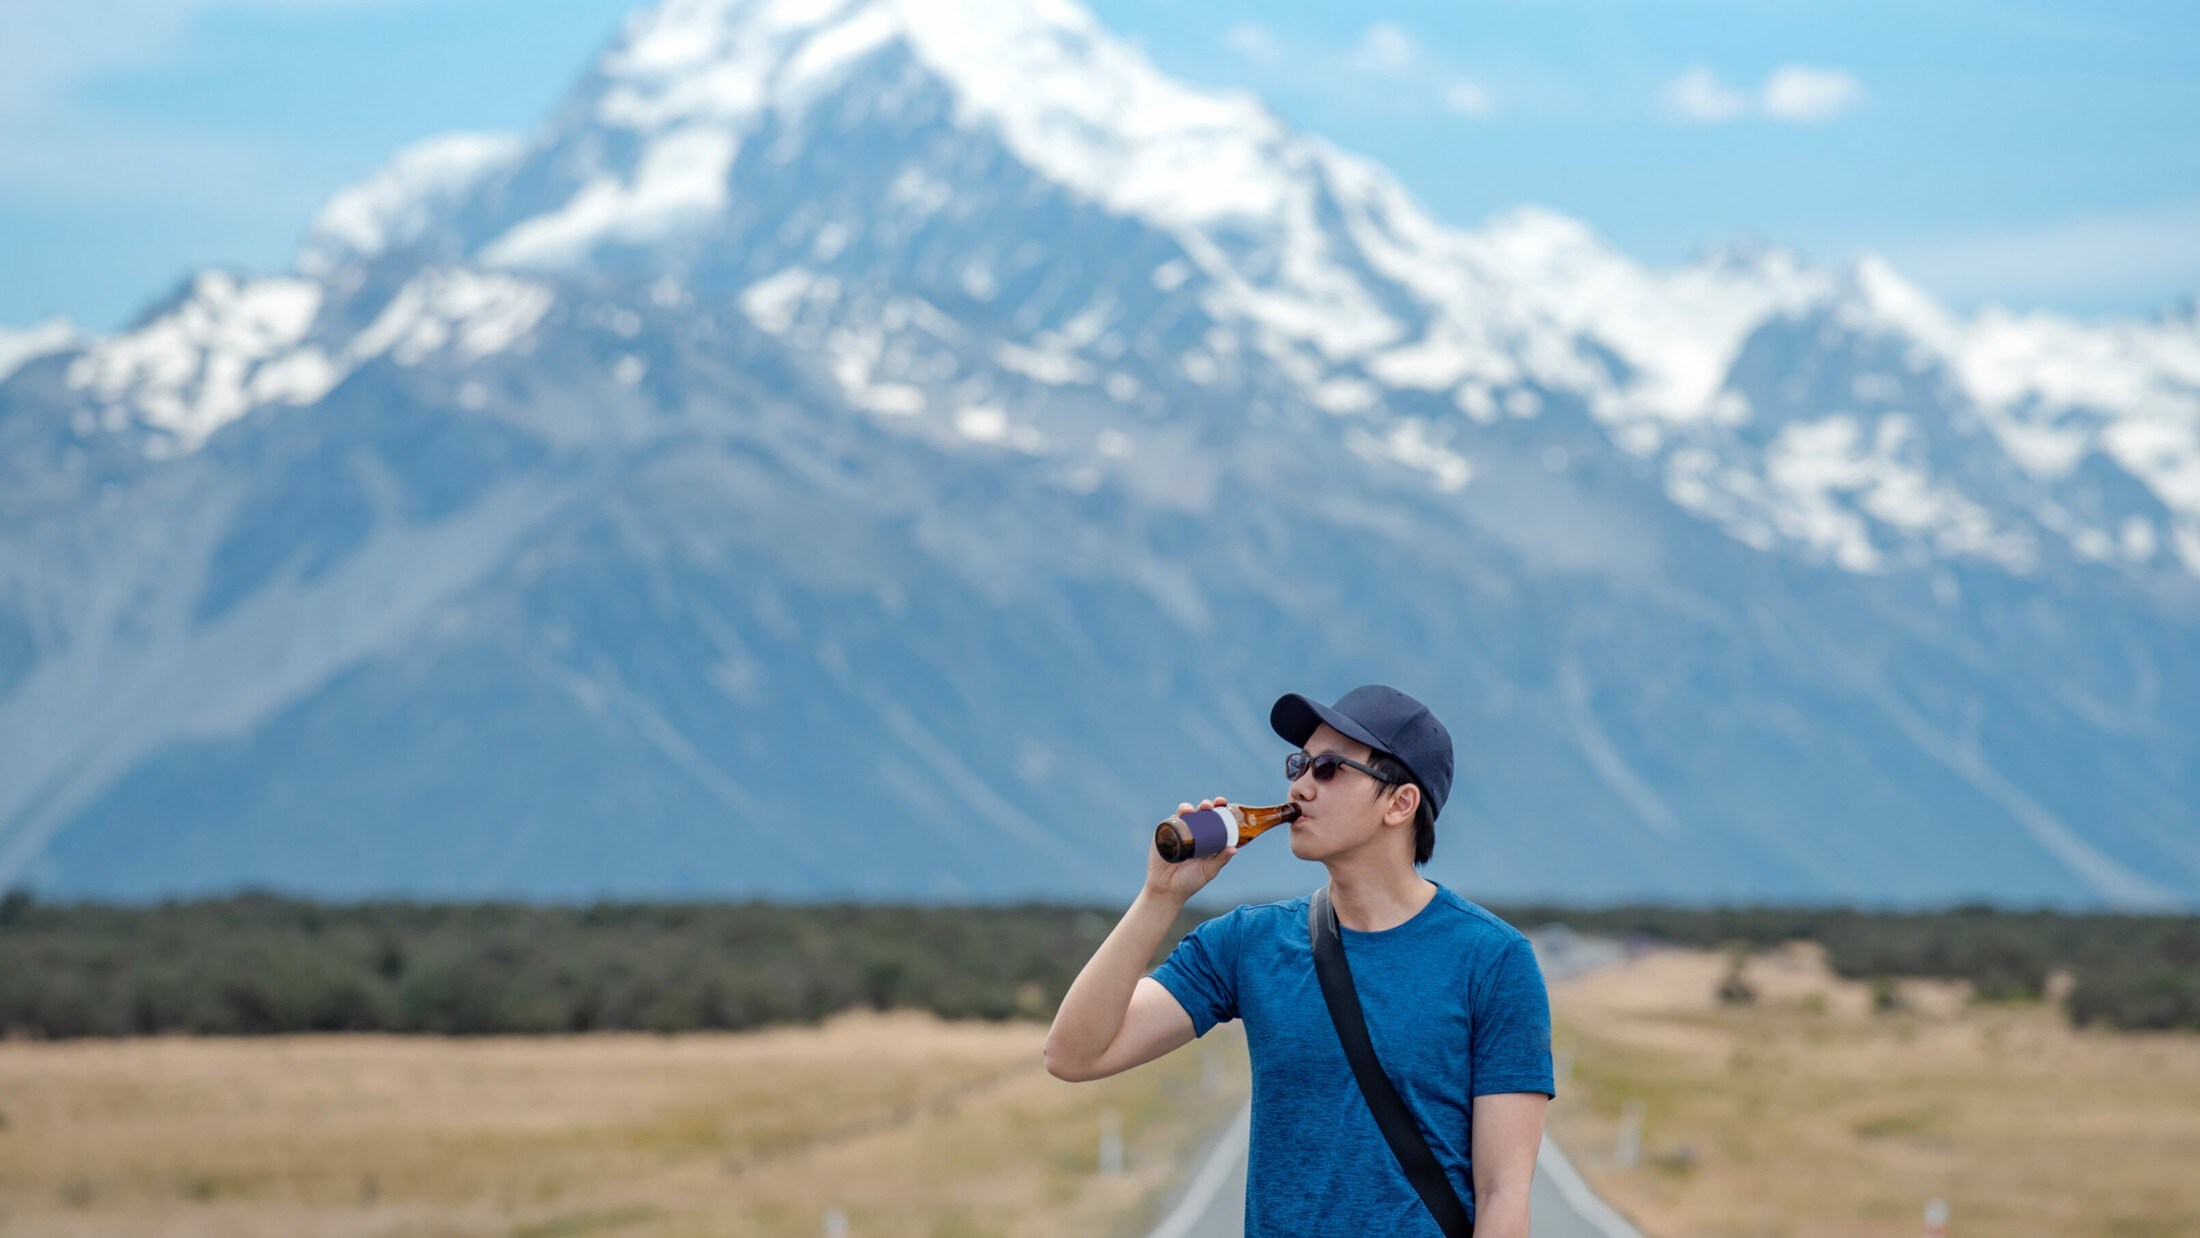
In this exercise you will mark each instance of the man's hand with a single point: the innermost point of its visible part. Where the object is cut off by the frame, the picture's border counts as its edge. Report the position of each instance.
(1176, 883)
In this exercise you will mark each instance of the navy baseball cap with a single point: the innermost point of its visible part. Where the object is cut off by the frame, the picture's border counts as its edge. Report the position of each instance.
(1382, 718)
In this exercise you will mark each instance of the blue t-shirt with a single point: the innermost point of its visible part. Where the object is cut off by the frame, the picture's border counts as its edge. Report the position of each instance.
(1455, 1007)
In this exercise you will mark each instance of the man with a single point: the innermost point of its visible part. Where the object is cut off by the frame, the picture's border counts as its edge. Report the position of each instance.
(1455, 1003)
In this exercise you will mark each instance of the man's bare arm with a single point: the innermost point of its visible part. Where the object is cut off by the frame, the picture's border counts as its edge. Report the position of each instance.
(1114, 1016)
(1508, 1131)
(1153, 1024)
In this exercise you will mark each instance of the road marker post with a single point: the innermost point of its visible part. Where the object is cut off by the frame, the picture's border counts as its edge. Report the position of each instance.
(1628, 1152)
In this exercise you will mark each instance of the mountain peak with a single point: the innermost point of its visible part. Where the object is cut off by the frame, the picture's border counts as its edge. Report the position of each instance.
(1537, 237)
(402, 199)
(1748, 257)
(30, 343)
(689, 83)
(1873, 293)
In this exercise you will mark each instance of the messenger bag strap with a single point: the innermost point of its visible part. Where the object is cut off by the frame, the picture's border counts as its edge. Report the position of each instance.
(1400, 1131)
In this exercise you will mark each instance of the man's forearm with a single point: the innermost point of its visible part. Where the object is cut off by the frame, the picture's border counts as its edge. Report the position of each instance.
(1092, 1011)
(1501, 1214)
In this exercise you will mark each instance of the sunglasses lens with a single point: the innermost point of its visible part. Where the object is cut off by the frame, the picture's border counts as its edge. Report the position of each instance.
(1323, 767)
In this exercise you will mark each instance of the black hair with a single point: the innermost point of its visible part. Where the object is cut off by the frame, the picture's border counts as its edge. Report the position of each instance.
(1424, 817)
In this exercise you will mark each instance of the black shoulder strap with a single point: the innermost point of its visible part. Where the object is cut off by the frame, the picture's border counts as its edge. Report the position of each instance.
(1400, 1131)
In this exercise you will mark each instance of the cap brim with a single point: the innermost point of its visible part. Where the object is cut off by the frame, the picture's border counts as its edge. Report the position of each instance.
(1294, 718)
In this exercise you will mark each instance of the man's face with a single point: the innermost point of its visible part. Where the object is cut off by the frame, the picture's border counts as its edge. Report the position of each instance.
(1348, 812)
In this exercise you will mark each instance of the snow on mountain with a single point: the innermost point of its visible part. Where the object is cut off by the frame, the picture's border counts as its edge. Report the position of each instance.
(1317, 260)
(939, 383)
(17, 347)
(229, 345)
(695, 79)
(2057, 391)
(471, 313)
(2021, 403)
(392, 208)
(1312, 258)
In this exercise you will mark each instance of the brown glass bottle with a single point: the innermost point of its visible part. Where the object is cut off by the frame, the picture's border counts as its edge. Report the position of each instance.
(1208, 831)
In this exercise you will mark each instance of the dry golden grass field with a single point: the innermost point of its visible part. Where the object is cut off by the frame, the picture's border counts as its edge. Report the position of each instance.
(1802, 1114)
(910, 1125)
(1805, 1113)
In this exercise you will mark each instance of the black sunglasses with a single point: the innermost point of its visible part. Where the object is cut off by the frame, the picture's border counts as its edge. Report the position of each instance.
(1326, 765)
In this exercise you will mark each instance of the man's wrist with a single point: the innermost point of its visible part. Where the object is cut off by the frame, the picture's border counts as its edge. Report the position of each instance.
(1167, 901)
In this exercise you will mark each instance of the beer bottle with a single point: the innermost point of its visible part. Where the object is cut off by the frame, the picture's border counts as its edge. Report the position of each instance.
(1209, 831)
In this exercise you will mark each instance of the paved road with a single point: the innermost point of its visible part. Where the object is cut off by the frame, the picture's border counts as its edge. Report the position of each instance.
(1212, 1204)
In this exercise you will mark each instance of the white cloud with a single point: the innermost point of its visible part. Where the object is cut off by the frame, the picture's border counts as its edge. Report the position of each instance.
(1386, 65)
(1255, 42)
(1792, 94)
(1467, 99)
(2145, 255)
(1698, 95)
(1803, 95)
(1384, 48)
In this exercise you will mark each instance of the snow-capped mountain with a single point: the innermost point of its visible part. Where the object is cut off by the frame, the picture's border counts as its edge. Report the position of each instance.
(898, 448)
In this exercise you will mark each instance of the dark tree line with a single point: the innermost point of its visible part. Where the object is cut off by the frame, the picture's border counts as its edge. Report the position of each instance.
(255, 964)
(2129, 971)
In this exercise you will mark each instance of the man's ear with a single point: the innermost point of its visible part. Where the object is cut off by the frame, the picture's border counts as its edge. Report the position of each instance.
(1406, 800)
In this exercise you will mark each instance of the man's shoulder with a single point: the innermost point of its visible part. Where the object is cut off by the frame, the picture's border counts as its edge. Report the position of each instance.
(1458, 919)
(1265, 915)
(1469, 919)
(1253, 920)
(1452, 910)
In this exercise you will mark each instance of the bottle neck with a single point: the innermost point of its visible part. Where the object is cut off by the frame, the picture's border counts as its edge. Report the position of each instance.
(1255, 820)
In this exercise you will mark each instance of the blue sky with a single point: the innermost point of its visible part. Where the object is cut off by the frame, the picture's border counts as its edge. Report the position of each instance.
(2035, 154)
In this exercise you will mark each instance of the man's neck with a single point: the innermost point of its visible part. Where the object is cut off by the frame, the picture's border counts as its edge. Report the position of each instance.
(1372, 893)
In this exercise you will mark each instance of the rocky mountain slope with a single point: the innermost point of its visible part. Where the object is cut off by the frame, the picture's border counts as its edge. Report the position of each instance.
(898, 448)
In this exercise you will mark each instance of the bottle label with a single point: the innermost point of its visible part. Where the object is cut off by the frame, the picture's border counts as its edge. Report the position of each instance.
(1212, 831)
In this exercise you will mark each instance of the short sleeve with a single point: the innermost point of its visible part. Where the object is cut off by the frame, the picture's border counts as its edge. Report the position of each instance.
(1201, 973)
(1512, 1025)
